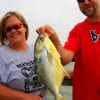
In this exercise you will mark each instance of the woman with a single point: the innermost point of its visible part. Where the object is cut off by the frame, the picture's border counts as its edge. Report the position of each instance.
(18, 77)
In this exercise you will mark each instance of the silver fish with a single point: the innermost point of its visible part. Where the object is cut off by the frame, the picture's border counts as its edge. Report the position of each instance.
(48, 65)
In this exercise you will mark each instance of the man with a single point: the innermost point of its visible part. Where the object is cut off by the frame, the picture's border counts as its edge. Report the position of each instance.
(84, 45)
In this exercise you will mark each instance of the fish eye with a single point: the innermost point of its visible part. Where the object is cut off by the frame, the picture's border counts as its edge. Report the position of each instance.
(41, 38)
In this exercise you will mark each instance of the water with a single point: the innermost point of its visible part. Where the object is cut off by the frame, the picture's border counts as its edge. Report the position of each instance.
(66, 91)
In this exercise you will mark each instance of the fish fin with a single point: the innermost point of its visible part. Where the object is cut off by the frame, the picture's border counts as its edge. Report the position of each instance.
(50, 56)
(66, 74)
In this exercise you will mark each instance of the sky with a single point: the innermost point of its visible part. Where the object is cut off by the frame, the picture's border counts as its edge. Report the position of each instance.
(62, 15)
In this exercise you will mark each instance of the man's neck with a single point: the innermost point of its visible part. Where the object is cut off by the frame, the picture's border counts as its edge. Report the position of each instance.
(94, 19)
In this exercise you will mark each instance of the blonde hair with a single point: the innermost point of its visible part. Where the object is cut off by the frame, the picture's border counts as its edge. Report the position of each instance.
(3, 38)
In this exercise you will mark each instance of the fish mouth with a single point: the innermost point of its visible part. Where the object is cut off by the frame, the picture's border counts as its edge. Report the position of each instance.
(39, 45)
(41, 37)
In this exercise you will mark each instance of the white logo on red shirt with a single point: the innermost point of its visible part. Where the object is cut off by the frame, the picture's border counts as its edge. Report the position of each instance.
(94, 36)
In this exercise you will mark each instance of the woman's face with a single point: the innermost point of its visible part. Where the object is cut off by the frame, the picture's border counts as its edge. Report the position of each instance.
(14, 30)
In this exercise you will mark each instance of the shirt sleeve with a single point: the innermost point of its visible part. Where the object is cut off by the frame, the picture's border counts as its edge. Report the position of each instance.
(3, 69)
(1, 65)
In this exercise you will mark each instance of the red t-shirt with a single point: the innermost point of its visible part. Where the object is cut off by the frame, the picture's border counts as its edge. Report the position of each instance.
(84, 41)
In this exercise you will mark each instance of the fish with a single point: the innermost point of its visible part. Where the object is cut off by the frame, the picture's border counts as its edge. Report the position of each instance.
(49, 66)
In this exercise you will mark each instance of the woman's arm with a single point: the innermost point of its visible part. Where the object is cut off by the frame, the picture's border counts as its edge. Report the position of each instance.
(7, 93)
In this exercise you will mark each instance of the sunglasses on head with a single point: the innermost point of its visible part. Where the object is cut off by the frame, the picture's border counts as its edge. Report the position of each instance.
(14, 26)
(80, 1)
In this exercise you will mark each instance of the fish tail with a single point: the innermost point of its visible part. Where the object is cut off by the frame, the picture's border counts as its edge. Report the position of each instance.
(60, 97)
